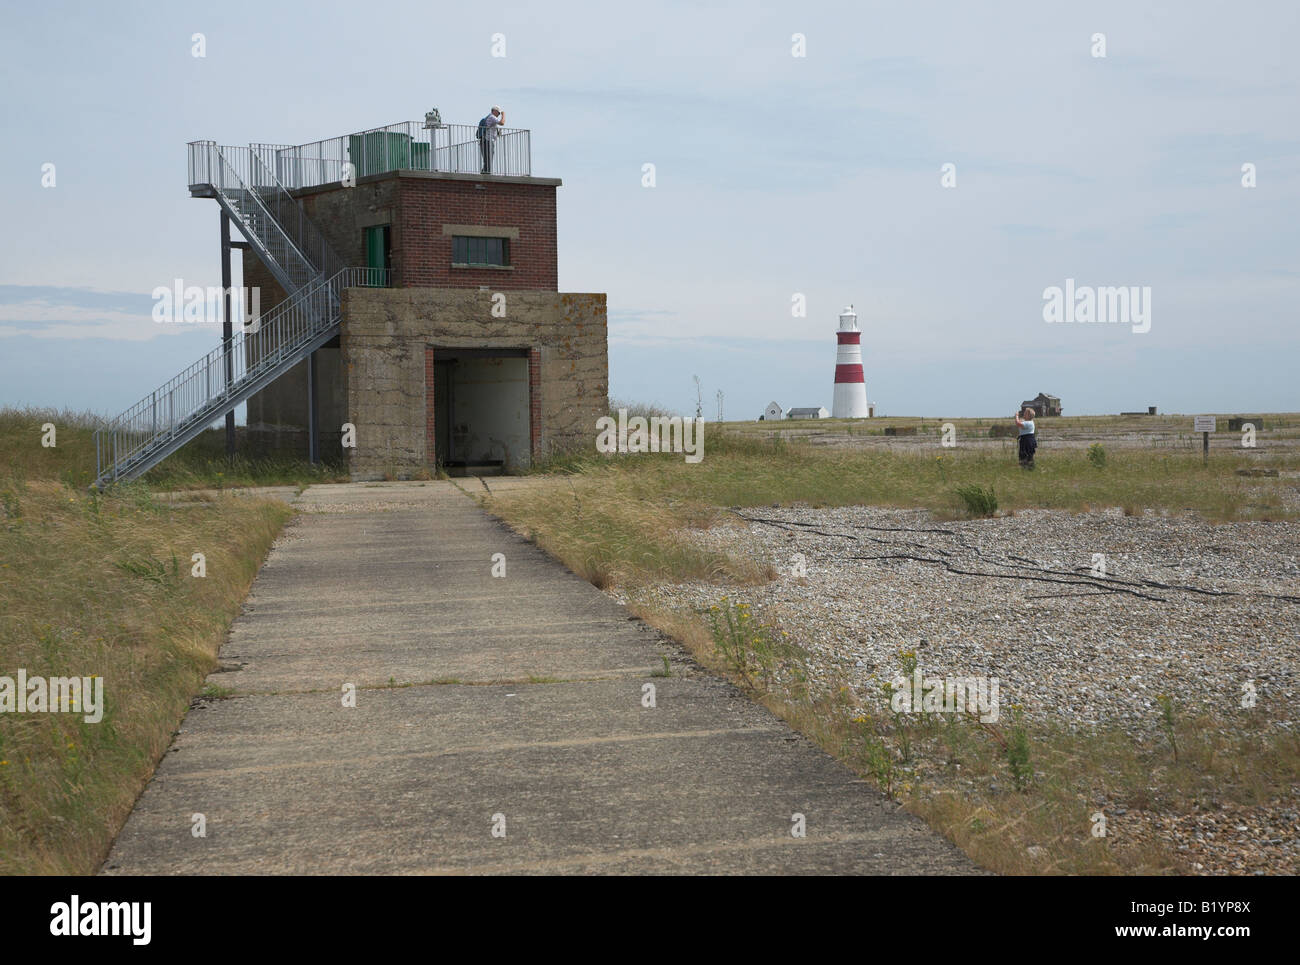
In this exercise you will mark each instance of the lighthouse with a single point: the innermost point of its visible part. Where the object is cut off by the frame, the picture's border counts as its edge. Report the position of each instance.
(850, 387)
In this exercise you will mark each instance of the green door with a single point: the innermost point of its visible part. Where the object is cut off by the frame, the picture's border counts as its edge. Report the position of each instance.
(378, 253)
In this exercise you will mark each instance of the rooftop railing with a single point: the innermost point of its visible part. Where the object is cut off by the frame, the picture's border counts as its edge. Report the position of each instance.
(406, 146)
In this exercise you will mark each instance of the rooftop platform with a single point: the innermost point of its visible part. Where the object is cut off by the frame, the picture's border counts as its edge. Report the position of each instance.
(429, 147)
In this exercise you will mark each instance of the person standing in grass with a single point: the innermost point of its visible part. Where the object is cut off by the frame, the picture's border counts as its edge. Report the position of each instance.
(1028, 438)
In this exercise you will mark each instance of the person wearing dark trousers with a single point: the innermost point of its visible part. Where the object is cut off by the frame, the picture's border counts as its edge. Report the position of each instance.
(487, 136)
(1028, 438)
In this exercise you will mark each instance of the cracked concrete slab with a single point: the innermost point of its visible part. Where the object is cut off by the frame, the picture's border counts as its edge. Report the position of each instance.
(565, 762)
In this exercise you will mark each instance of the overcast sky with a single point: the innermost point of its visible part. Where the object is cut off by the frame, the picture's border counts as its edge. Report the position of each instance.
(776, 175)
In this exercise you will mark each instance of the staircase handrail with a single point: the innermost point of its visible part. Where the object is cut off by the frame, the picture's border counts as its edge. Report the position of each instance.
(290, 214)
(223, 170)
(251, 352)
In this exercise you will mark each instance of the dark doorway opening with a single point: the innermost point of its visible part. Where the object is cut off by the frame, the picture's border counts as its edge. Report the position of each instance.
(481, 403)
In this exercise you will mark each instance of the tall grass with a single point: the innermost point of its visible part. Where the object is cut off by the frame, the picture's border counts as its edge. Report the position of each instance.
(199, 464)
(71, 458)
(750, 469)
(607, 535)
(102, 584)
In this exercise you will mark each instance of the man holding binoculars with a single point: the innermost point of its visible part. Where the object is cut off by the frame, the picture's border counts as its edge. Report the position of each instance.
(487, 136)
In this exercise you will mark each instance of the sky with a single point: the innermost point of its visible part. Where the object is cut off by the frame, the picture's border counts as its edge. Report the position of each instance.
(786, 171)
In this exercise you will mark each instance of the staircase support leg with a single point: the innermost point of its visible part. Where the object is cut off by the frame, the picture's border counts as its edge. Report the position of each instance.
(313, 440)
(227, 328)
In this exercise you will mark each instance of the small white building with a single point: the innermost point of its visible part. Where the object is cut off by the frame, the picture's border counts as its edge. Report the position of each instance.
(773, 411)
(817, 413)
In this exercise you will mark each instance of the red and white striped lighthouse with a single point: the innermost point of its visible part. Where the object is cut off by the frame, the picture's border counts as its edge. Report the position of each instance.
(850, 387)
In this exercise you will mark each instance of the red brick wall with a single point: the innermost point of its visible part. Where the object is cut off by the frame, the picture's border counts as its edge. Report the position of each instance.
(422, 253)
(535, 399)
(430, 426)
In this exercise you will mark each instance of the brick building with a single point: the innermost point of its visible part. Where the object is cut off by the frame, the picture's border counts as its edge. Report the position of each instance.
(410, 312)
(468, 357)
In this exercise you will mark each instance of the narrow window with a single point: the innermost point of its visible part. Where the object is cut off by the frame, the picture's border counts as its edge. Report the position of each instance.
(480, 252)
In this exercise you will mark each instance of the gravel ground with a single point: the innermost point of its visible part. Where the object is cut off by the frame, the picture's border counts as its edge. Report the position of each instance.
(1185, 609)
(1231, 840)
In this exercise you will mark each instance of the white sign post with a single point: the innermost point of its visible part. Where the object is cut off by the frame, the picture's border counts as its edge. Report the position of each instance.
(1204, 424)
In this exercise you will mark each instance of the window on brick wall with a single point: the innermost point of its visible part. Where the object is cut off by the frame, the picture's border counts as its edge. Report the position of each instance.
(480, 251)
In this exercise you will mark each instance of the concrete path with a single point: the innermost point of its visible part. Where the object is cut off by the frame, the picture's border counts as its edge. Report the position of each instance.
(482, 703)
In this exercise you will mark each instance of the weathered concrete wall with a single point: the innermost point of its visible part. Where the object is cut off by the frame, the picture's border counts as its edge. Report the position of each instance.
(343, 214)
(385, 336)
(277, 416)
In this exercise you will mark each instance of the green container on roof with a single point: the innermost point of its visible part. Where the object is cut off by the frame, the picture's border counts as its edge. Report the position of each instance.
(380, 151)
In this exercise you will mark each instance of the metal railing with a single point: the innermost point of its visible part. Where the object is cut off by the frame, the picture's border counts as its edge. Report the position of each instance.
(228, 171)
(293, 248)
(289, 213)
(405, 146)
(183, 406)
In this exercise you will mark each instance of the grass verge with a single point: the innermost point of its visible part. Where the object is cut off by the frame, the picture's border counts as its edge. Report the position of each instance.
(745, 470)
(199, 464)
(104, 586)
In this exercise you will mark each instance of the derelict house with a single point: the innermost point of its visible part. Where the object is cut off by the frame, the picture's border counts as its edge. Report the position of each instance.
(1043, 404)
(405, 295)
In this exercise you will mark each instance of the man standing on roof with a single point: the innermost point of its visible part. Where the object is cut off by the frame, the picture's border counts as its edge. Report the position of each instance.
(487, 136)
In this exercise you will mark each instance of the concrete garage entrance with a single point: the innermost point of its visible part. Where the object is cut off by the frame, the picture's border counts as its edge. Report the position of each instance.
(482, 400)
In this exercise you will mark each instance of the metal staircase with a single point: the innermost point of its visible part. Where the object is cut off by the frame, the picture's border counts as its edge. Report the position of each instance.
(297, 255)
(269, 217)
